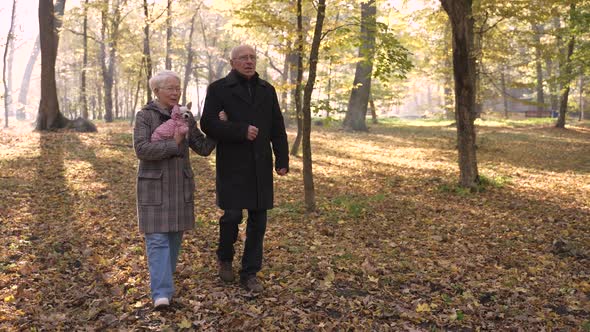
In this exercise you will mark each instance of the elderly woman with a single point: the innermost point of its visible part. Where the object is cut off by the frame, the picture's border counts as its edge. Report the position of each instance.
(165, 183)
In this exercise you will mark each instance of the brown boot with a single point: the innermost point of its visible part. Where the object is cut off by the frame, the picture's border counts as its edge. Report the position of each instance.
(226, 272)
(252, 284)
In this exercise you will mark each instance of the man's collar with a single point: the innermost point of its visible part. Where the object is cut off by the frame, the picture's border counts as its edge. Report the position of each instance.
(234, 78)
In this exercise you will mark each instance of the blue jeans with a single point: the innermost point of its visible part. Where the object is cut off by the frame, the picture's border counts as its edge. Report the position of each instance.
(162, 254)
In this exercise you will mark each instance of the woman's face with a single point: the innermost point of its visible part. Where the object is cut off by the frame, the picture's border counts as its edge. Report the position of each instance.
(169, 92)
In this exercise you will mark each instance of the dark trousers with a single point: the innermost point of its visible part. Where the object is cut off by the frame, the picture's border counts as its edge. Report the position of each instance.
(228, 234)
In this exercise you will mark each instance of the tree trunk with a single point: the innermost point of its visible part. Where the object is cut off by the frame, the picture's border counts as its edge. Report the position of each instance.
(329, 85)
(581, 117)
(196, 74)
(298, 82)
(538, 31)
(308, 185)
(292, 59)
(188, 67)
(558, 65)
(460, 15)
(168, 35)
(221, 65)
(136, 97)
(504, 91)
(567, 72)
(25, 83)
(8, 64)
(83, 96)
(107, 79)
(449, 98)
(285, 77)
(146, 49)
(108, 64)
(113, 54)
(373, 110)
(49, 117)
(359, 97)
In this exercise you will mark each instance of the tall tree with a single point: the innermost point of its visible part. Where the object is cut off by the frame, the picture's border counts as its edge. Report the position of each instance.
(25, 83)
(361, 90)
(537, 33)
(49, 117)
(581, 97)
(107, 78)
(308, 185)
(188, 67)
(567, 73)
(9, 46)
(24, 88)
(299, 79)
(460, 15)
(83, 96)
(109, 42)
(146, 48)
(168, 63)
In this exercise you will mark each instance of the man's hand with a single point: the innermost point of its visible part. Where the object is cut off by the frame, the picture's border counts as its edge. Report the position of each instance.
(178, 137)
(282, 171)
(252, 133)
(222, 116)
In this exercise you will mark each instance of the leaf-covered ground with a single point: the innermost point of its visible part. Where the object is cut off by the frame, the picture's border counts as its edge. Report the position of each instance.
(394, 246)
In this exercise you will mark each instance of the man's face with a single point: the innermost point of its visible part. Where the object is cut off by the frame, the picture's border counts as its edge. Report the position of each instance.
(244, 61)
(169, 93)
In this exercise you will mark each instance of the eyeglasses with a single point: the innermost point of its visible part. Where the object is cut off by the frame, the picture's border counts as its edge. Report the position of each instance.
(246, 58)
(171, 89)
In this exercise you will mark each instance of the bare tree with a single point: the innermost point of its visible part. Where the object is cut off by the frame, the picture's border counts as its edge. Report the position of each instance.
(537, 33)
(7, 87)
(188, 67)
(581, 96)
(299, 78)
(168, 34)
(25, 83)
(146, 49)
(83, 97)
(308, 185)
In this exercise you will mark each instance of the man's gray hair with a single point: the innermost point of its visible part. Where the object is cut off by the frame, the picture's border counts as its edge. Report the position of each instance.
(235, 50)
(156, 80)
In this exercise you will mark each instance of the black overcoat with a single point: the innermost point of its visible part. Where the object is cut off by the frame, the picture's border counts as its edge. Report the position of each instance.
(244, 169)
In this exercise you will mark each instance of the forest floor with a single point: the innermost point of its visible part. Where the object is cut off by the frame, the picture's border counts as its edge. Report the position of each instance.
(395, 244)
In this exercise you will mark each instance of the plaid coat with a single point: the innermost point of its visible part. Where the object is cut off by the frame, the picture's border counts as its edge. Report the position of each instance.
(165, 180)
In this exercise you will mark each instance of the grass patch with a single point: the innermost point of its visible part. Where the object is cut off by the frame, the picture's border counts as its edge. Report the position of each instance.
(496, 182)
(288, 208)
(530, 122)
(454, 189)
(485, 183)
(354, 207)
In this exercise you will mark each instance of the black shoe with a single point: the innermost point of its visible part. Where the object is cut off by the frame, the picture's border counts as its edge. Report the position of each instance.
(226, 272)
(252, 284)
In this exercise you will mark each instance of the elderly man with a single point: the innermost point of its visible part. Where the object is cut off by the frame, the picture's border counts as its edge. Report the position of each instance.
(244, 159)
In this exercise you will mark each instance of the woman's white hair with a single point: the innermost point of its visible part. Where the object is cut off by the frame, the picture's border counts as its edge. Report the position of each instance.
(157, 80)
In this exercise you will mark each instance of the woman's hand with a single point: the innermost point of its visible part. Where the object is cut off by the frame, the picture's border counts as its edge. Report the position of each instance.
(222, 116)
